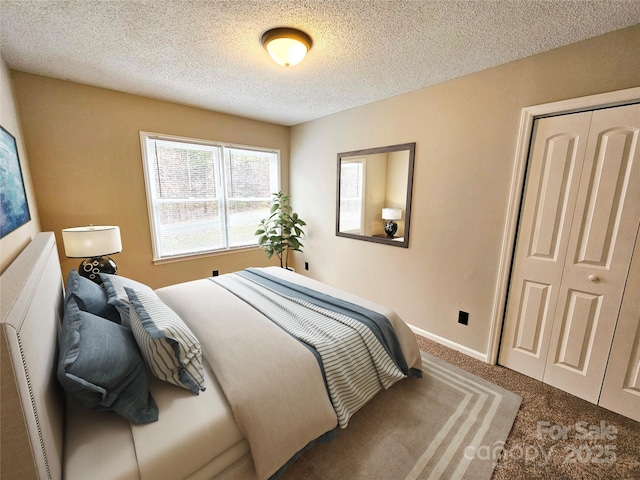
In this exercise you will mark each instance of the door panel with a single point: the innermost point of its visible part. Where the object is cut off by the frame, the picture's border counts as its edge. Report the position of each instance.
(603, 233)
(632, 378)
(558, 147)
(607, 194)
(533, 313)
(553, 195)
(577, 331)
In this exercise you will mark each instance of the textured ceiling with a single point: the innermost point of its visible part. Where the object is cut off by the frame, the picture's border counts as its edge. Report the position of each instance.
(208, 53)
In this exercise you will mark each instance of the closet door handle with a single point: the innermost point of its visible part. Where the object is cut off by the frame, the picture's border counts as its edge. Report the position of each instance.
(594, 278)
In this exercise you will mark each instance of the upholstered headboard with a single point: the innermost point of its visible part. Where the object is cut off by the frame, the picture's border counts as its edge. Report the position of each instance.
(31, 402)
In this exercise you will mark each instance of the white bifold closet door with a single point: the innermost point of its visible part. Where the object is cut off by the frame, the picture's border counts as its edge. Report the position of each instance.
(621, 387)
(577, 232)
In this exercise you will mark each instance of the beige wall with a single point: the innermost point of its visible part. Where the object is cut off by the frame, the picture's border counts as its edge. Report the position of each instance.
(85, 156)
(12, 244)
(465, 132)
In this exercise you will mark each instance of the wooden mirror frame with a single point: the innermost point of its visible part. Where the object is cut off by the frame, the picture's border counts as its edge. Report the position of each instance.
(411, 148)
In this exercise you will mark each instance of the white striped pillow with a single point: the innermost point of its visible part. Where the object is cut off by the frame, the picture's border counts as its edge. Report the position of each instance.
(172, 352)
(116, 296)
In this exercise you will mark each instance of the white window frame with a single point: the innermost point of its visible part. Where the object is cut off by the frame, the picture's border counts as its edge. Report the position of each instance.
(151, 201)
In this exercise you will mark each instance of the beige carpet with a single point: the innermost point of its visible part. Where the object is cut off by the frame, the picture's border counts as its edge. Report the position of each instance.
(548, 439)
(435, 427)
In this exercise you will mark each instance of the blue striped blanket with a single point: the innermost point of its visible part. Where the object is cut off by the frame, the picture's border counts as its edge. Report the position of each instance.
(357, 348)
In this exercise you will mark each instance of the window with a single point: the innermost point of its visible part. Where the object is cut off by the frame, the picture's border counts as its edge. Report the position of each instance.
(352, 196)
(205, 196)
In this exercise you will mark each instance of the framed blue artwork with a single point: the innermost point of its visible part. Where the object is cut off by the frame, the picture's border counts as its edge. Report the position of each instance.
(14, 210)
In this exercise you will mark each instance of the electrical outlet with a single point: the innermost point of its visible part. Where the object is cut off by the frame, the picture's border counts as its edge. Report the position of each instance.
(214, 273)
(306, 265)
(463, 317)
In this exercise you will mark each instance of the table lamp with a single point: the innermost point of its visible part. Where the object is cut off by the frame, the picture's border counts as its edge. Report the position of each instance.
(94, 244)
(389, 215)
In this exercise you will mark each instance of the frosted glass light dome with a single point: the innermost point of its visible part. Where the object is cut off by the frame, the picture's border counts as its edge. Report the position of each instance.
(287, 46)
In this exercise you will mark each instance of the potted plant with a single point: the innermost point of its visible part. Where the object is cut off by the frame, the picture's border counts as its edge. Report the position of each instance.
(281, 232)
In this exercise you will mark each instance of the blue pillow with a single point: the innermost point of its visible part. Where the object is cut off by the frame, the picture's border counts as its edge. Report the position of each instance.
(91, 297)
(100, 366)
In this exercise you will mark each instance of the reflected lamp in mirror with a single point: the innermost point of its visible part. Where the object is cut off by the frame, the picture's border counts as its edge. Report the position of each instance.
(94, 244)
(389, 215)
(371, 181)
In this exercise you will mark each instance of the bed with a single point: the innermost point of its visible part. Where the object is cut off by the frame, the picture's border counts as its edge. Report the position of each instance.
(260, 396)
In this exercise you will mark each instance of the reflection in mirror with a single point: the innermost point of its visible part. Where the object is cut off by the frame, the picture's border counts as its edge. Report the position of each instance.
(374, 194)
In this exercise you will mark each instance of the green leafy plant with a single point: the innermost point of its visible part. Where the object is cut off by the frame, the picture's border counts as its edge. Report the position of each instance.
(281, 232)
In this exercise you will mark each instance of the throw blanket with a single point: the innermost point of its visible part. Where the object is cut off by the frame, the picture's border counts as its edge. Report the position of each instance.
(358, 350)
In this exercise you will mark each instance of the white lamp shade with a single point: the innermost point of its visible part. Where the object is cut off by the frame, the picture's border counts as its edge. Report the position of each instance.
(391, 213)
(91, 241)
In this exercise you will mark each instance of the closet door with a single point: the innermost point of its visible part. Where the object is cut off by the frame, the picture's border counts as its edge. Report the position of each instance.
(621, 388)
(601, 241)
(558, 149)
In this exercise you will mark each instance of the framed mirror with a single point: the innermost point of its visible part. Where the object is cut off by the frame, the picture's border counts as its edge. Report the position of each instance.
(374, 194)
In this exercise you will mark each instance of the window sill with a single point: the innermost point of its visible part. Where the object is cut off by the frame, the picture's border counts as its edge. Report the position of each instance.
(196, 256)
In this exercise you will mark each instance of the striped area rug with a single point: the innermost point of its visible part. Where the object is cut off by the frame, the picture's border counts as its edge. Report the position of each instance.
(448, 425)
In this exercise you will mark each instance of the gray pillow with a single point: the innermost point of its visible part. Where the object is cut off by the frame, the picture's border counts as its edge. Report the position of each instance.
(91, 297)
(100, 366)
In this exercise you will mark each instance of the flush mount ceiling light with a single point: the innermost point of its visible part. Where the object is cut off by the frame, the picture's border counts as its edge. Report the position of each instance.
(287, 46)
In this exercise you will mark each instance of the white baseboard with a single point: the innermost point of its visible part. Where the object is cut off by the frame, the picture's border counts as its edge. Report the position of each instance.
(448, 343)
